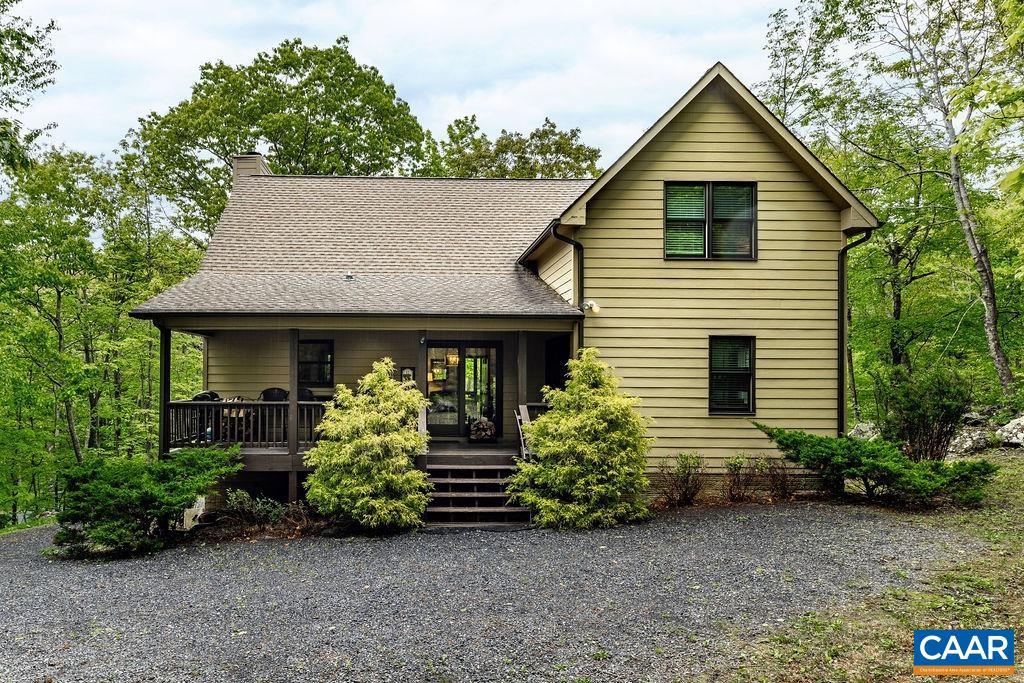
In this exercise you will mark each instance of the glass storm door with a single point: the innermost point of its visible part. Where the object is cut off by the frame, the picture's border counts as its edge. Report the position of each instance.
(463, 388)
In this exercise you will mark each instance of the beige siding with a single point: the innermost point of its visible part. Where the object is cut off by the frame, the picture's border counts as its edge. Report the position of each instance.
(555, 267)
(245, 363)
(656, 315)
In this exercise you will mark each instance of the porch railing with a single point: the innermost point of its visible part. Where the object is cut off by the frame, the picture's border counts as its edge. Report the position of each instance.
(254, 424)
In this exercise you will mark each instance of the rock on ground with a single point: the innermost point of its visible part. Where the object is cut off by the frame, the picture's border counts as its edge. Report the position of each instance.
(864, 430)
(972, 440)
(1012, 433)
(655, 601)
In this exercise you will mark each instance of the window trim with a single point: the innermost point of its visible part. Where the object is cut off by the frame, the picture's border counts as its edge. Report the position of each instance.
(750, 409)
(708, 219)
(317, 385)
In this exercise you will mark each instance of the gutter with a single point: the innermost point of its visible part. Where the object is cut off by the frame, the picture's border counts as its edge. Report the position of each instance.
(842, 311)
(578, 279)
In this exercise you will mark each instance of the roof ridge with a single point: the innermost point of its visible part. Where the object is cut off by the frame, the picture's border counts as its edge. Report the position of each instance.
(404, 177)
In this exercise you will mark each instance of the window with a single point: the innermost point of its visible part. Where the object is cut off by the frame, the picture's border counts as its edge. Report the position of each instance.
(710, 220)
(731, 375)
(316, 363)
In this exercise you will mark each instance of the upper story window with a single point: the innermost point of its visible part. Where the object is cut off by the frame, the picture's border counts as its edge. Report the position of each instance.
(316, 363)
(731, 375)
(710, 220)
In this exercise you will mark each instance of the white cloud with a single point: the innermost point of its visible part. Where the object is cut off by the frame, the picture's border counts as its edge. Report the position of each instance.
(609, 68)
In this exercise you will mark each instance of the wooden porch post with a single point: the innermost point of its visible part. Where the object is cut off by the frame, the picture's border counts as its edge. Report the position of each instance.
(521, 367)
(163, 426)
(293, 414)
(421, 363)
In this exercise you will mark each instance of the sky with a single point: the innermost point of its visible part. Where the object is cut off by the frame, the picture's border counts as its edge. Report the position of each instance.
(608, 68)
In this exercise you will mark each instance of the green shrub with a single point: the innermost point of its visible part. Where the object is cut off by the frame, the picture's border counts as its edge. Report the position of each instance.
(740, 474)
(682, 481)
(125, 506)
(881, 470)
(591, 453)
(364, 464)
(249, 509)
(779, 476)
(922, 410)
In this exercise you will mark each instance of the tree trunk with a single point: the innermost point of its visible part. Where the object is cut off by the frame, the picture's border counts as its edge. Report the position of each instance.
(982, 264)
(69, 415)
(849, 367)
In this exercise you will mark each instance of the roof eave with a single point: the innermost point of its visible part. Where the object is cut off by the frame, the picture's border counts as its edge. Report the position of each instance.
(575, 214)
(161, 313)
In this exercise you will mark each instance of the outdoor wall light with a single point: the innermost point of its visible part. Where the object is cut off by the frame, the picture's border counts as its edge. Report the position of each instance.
(591, 305)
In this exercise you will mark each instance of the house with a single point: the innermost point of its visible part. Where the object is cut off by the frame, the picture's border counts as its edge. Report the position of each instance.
(706, 264)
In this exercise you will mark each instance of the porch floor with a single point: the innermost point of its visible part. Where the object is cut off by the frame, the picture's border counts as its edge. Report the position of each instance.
(461, 453)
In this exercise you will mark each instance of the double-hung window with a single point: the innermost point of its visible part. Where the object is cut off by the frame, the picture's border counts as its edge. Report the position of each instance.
(316, 363)
(710, 220)
(731, 385)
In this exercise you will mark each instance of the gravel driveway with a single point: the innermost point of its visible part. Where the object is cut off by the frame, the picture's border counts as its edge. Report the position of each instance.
(648, 602)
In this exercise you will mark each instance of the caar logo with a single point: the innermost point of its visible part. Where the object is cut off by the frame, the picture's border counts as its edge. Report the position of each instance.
(963, 653)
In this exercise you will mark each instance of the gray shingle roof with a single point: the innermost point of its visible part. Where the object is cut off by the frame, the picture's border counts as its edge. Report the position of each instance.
(432, 246)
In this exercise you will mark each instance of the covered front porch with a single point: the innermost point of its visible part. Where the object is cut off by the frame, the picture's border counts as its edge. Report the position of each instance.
(266, 380)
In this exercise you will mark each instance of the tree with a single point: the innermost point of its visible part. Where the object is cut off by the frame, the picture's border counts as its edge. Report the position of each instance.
(364, 464)
(547, 152)
(47, 268)
(591, 453)
(312, 110)
(884, 89)
(26, 67)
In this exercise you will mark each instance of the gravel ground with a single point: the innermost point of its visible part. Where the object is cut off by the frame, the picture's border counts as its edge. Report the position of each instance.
(648, 602)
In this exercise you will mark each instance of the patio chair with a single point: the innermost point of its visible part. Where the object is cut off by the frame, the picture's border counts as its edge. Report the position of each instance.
(273, 394)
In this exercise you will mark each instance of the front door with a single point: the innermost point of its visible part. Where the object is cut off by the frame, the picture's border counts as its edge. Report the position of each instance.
(464, 389)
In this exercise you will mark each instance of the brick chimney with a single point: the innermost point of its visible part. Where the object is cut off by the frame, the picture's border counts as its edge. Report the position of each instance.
(251, 163)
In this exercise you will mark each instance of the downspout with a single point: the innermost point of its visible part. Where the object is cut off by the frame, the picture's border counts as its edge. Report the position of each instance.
(578, 279)
(841, 351)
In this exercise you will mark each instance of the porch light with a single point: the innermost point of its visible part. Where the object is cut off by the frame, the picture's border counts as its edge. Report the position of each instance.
(591, 305)
(452, 359)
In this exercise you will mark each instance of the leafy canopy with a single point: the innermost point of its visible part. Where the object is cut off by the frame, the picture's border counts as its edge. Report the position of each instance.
(546, 152)
(591, 453)
(364, 464)
(26, 67)
(312, 111)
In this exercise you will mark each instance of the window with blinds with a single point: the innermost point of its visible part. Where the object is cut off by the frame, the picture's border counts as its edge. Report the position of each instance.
(731, 386)
(709, 220)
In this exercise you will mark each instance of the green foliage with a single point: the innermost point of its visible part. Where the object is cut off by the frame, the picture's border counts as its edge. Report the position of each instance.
(364, 464)
(922, 410)
(125, 506)
(683, 481)
(882, 470)
(779, 477)
(250, 509)
(591, 452)
(77, 375)
(741, 473)
(315, 110)
(26, 67)
(871, 87)
(546, 152)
